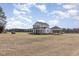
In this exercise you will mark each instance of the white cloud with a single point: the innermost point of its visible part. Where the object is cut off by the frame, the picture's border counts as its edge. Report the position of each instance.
(16, 12)
(18, 22)
(18, 15)
(58, 14)
(68, 6)
(76, 17)
(53, 22)
(20, 19)
(12, 23)
(59, 3)
(15, 24)
(41, 21)
(41, 7)
(73, 12)
(19, 12)
(23, 7)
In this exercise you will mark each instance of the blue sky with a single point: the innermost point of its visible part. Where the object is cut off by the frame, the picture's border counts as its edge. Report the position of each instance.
(21, 15)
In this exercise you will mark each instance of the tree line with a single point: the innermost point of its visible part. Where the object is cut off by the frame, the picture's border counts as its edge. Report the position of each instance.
(68, 30)
(64, 30)
(19, 30)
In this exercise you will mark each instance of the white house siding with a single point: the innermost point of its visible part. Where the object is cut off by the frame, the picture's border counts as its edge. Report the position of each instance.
(38, 31)
(40, 28)
(47, 30)
(41, 31)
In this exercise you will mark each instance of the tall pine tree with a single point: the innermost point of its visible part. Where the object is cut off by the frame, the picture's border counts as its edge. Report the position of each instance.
(2, 20)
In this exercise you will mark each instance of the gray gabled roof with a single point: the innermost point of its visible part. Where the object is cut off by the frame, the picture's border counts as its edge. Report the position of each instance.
(55, 27)
(40, 24)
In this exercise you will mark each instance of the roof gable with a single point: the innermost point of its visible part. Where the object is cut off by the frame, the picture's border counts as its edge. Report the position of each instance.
(42, 23)
(55, 27)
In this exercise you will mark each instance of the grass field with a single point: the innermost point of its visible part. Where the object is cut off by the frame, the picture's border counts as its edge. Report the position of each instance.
(24, 44)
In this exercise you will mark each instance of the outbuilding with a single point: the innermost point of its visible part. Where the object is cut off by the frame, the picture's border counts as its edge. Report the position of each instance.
(56, 30)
